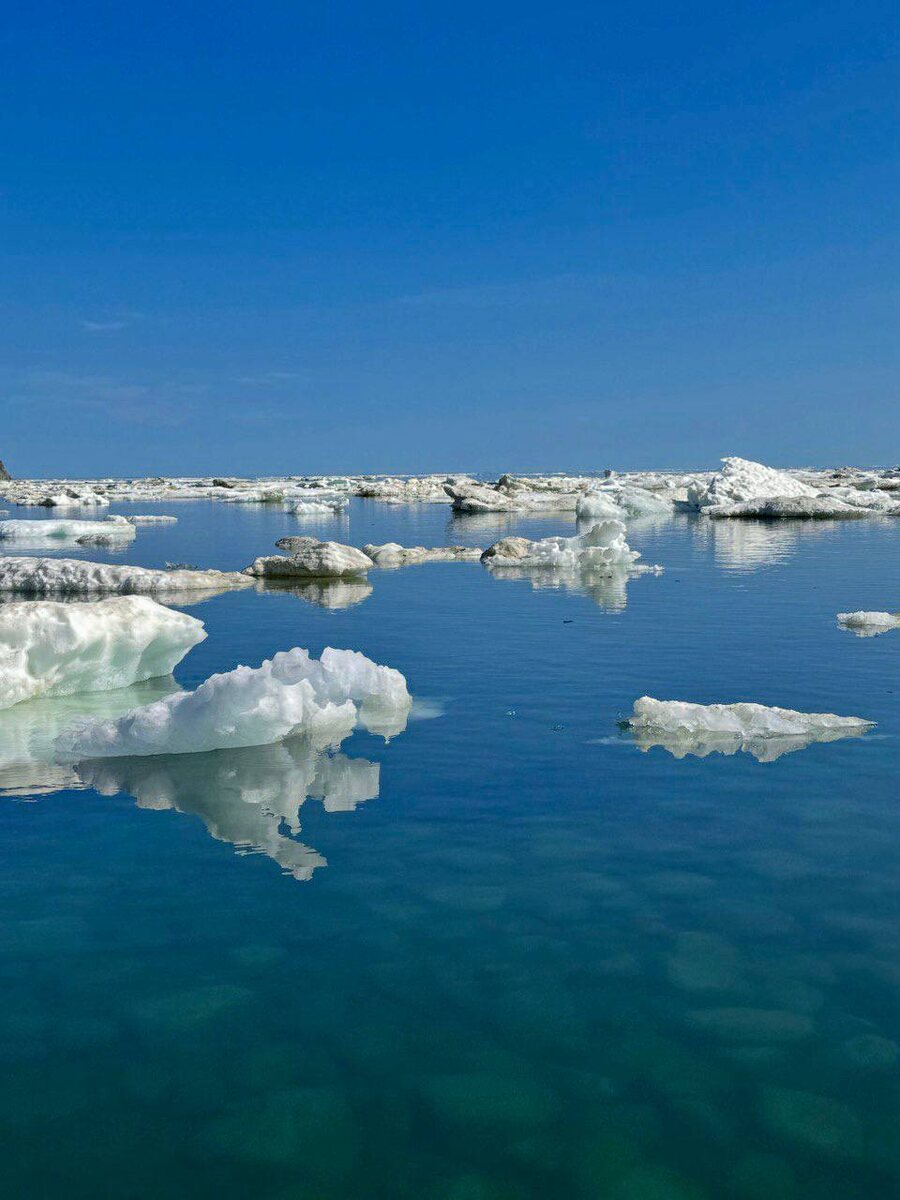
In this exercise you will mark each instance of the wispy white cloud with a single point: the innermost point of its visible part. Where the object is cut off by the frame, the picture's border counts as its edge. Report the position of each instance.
(103, 326)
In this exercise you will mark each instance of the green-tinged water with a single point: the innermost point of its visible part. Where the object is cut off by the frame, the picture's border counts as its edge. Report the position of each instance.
(505, 956)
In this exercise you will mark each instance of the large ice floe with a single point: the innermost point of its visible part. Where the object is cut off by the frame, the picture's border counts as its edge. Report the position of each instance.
(309, 558)
(57, 649)
(762, 731)
(288, 695)
(38, 577)
(111, 529)
(869, 624)
(603, 549)
(391, 554)
(745, 489)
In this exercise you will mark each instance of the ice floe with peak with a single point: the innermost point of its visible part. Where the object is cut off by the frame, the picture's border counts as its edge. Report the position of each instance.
(760, 730)
(869, 624)
(111, 529)
(309, 558)
(288, 695)
(37, 577)
(52, 648)
(391, 554)
(745, 489)
(602, 550)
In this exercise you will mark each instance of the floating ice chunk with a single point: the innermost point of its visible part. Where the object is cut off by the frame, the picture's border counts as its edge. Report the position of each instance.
(150, 519)
(602, 549)
(289, 694)
(74, 577)
(316, 505)
(597, 504)
(741, 480)
(57, 649)
(63, 530)
(393, 555)
(869, 624)
(311, 559)
(763, 731)
(809, 508)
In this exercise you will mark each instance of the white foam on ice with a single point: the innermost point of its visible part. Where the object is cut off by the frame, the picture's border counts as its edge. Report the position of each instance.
(76, 577)
(52, 648)
(287, 695)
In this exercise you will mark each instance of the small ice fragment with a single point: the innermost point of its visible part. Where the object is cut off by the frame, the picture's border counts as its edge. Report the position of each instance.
(869, 624)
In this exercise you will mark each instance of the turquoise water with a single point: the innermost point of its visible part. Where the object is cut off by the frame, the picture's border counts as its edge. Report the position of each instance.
(507, 954)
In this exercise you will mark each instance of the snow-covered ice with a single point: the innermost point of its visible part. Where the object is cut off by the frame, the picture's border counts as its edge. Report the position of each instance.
(763, 731)
(56, 649)
(75, 577)
(740, 480)
(287, 695)
(804, 508)
(869, 624)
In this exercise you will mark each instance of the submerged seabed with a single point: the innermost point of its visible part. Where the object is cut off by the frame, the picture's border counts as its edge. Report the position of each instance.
(508, 954)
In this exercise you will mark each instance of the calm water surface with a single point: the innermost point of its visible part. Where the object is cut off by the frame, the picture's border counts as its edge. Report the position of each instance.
(505, 955)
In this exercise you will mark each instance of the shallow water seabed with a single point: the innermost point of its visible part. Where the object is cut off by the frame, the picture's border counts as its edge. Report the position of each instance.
(533, 959)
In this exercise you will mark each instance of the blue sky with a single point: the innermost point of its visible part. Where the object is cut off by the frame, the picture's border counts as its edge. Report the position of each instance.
(291, 237)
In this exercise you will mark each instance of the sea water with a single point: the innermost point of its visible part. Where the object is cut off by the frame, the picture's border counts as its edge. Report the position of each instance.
(523, 958)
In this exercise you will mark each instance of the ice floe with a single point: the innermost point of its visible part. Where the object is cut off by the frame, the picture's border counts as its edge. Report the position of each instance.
(390, 554)
(869, 624)
(288, 695)
(603, 549)
(806, 508)
(741, 480)
(316, 505)
(309, 558)
(38, 577)
(762, 731)
(115, 529)
(150, 519)
(52, 648)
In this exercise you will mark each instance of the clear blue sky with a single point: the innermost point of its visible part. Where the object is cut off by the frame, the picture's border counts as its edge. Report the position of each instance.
(334, 237)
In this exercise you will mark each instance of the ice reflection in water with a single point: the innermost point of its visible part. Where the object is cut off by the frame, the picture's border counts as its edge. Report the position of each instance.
(249, 797)
(28, 764)
(324, 593)
(750, 545)
(607, 591)
(763, 749)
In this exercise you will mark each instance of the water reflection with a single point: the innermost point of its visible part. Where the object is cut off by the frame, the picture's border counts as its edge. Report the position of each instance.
(28, 765)
(249, 797)
(325, 593)
(740, 545)
(765, 750)
(609, 592)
